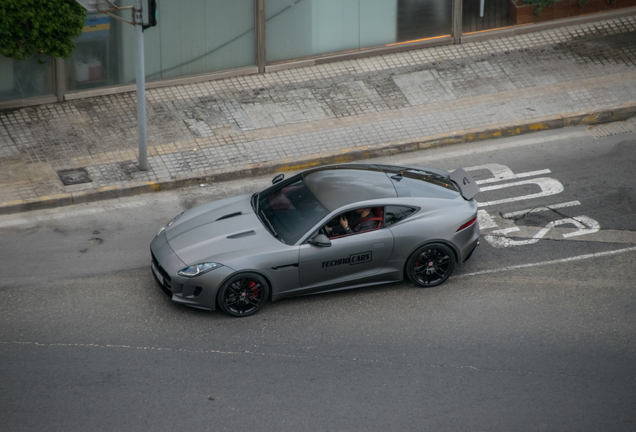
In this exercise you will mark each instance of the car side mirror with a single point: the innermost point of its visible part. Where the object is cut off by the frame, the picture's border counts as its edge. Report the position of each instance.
(278, 178)
(320, 240)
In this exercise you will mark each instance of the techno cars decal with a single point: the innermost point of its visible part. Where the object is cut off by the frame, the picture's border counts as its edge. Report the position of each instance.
(354, 259)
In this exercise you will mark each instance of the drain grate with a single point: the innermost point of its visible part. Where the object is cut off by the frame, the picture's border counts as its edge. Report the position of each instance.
(74, 176)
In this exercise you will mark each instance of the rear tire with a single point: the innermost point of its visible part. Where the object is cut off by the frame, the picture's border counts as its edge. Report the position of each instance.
(243, 294)
(430, 265)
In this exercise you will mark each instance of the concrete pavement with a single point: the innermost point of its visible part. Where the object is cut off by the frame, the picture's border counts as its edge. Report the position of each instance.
(335, 112)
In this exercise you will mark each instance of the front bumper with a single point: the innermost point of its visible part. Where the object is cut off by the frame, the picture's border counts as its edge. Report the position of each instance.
(198, 292)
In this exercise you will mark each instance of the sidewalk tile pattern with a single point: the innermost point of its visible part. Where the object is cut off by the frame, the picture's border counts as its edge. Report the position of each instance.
(198, 128)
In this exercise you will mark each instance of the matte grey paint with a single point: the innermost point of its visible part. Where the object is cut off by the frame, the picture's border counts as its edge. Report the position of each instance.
(229, 233)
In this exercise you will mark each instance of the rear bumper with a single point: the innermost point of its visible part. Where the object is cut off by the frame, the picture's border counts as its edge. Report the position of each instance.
(473, 250)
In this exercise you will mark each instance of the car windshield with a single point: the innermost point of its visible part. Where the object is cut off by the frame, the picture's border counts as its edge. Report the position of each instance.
(289, 211)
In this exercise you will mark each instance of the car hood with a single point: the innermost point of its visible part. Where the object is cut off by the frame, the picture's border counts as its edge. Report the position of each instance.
(218, 232)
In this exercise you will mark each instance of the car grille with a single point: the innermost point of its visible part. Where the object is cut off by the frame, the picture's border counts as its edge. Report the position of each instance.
(165, 283)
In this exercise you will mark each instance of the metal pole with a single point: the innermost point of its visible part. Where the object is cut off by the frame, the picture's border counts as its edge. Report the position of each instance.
(259, 26)
(141, 86)
(456, 30)
(60, 82)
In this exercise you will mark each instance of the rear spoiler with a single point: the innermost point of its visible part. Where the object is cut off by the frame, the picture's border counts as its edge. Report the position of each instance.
(467, 186)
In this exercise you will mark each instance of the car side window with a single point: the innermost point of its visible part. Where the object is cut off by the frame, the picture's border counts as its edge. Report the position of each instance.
(395, 214)
(355, 222)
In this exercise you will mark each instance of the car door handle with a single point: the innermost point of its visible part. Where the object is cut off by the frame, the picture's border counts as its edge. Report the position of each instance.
(378, 245)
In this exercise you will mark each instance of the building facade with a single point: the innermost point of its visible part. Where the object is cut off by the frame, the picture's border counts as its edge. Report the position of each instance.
(204, 39)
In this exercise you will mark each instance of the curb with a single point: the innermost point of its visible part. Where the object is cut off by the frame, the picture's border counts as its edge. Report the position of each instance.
(576, 118)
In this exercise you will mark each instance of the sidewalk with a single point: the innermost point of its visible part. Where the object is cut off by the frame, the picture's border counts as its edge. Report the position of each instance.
(336, 112)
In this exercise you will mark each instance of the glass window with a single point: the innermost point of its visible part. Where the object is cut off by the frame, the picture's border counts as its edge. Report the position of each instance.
(290, 211)
(94, 63)
(301, 28)
(394, 214)
(421, 19)
(191, 37)
(354, 222)
(479, 15)
(21, 79)
(305, 28)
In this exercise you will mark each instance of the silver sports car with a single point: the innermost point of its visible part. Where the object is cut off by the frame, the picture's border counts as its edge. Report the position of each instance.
(325, 229)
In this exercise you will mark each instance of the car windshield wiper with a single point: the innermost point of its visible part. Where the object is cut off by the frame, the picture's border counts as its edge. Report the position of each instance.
(271, 227)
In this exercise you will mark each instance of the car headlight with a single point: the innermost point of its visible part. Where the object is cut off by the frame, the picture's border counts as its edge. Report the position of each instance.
(197, 269)
(169, 224)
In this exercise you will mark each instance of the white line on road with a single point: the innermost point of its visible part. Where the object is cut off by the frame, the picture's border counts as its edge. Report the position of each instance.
(542, 263)
(540, 209)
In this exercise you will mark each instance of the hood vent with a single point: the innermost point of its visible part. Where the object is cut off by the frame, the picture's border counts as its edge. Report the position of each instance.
(227, 216)
(242, 234)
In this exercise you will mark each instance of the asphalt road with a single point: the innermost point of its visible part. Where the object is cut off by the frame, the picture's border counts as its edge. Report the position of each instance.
(537, 332)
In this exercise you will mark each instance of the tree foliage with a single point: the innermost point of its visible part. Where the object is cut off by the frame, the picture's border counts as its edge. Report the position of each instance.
(43, 26)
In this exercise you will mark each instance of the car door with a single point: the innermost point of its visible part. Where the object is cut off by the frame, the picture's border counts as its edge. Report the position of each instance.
(349, 260)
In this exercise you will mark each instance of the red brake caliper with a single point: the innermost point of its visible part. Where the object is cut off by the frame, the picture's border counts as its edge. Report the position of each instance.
(253, 289)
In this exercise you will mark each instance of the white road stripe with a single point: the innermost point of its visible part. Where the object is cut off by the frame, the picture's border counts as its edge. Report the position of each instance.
(512, 177)
(549, 186)
(540, 209)
(542, 263)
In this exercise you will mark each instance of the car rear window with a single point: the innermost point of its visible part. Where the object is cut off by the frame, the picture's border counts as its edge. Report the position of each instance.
(424, 184)
(395, 214)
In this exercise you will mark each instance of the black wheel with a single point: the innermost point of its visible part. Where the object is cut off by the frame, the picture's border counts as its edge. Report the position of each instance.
(430, 265)
(243, 294)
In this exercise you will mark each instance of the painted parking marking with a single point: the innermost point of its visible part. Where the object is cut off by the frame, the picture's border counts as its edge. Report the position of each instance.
(514, 214)
(583, 224)
(548, 186)
(502, 173)
(503, 237)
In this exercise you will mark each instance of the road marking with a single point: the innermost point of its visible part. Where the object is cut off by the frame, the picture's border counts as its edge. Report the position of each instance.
(503, 173)
(549, 186)
(584, 225)
(543, 263)
(540, 209)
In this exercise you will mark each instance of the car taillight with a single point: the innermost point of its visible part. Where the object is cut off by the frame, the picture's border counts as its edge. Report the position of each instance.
(467, 224)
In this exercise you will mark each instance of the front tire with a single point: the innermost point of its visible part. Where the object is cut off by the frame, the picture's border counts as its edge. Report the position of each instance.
(243, 294)
(430, 265)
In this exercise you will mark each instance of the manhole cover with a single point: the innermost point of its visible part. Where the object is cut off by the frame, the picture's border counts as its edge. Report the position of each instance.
(74, 176)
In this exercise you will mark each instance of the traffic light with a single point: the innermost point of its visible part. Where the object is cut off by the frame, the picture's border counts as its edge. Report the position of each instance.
(152, 14)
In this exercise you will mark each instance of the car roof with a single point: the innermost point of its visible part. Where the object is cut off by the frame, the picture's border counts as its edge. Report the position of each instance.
(339, 185)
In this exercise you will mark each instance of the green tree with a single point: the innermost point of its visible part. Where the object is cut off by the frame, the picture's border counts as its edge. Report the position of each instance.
(42, 26)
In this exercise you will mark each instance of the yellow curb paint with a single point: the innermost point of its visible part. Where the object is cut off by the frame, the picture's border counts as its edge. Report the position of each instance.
(298, 167)
(13, 203)
(343, 159)
(53, 197)
(537, 126)
(107, 188)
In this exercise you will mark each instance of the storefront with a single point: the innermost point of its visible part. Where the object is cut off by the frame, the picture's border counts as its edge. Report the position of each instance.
(203, 39)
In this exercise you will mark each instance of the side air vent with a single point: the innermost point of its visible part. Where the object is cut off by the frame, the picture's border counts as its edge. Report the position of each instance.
(242, 234)
(227, 216)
